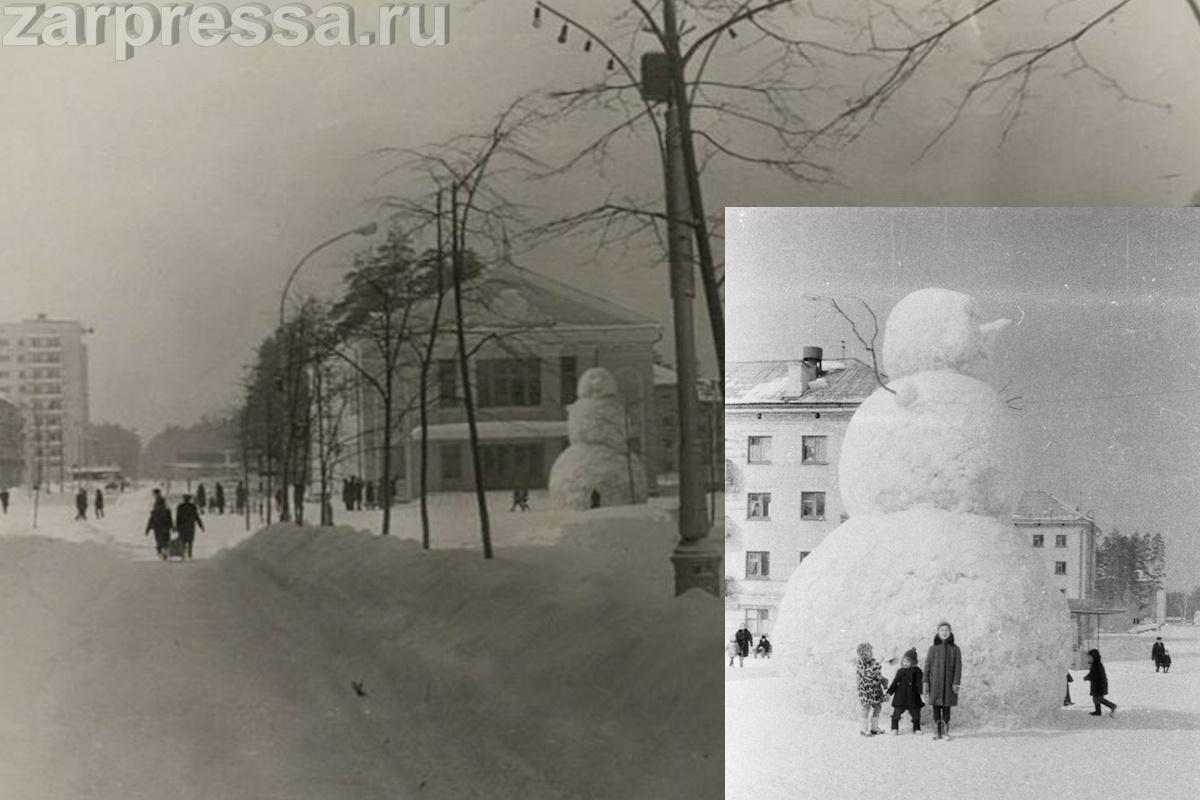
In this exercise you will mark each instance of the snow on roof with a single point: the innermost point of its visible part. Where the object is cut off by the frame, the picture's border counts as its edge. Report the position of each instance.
(496, 429)
(1045, 507)
(518, 296)
(849, 381)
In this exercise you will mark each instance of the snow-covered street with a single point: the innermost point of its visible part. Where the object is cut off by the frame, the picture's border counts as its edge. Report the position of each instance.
(323, 663)
(1148, 749)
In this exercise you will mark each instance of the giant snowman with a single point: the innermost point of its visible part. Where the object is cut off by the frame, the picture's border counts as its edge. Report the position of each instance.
(930, 474)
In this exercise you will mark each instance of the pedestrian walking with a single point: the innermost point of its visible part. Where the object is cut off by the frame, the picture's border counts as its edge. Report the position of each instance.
(595, 498)
(906, 692)
(4, 500)
(187, 517)
(161, 523)
(744, 639)
(1099, 680)
(99, 503)
(1157, 652)
(201, 498)
(943, 675)
(219, 498)
(871, 685)
(81, 504)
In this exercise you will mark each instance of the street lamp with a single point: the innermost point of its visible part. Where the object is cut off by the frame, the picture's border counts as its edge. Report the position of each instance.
(368, 229)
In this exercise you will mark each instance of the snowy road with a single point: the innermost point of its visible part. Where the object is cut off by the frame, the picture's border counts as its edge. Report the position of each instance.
(1147, 750)
(230, 677)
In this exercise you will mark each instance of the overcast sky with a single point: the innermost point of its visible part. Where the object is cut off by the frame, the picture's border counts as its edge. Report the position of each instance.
(164, 200)
(1105, 356)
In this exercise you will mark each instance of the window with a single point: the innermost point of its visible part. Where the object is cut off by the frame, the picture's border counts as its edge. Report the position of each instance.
(505, 382)
(1039, 540)
(757, 619)
(758, 505)
(1060, 540)
(1060, 568)
(758, 564)
(451, 458)
(568, 377)
(447, 377)
(812, 505)
(813, 450)
(759, 450)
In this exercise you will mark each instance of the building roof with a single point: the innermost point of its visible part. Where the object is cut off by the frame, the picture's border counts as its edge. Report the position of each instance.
(1044, 507)
(848, 381)
(516, 297)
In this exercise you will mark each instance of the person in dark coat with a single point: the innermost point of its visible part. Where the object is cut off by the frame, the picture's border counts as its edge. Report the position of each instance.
(99, 504)
(744, 638)
(4, 500)
(160, 522)
(239, 497)
(595, 498)
(219, 498)
(201, 498)
(1099, 680)
(906, 692)
(347, 494)
(943, 675)
(1157, 652)
(81, 504)
(187, 517)
(764, 647)
(1067, 699)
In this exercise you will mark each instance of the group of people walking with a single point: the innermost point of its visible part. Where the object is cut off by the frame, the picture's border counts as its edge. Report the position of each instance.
(358, 494)
(739, 646)
(939, 682)
(185, 521)
(216, 502)
(81, 504)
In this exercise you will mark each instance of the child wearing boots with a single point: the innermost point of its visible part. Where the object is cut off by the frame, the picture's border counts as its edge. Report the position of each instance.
(1099, 679)
(906, 692)
(943, 676)
(870, 689)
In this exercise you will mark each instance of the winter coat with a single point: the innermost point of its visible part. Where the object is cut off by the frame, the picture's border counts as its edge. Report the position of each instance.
(1099, 679)
(943, 671)
(186, 520)
(870, 682)
(744, 638)
(99, 499)
(160, 520)
(1158, 651)
(906, 688)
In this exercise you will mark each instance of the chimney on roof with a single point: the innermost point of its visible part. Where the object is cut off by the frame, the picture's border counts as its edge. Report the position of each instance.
(798, 377)
(812, 357)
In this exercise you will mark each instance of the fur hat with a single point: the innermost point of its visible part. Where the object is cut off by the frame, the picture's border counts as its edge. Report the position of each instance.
(911, 654)
(864, 651)
(947, 624)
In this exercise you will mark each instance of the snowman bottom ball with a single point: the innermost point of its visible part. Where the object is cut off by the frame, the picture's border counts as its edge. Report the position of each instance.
(890, 579)
(581, 469)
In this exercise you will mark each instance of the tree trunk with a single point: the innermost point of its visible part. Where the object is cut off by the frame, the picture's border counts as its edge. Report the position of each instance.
(468, 395)
(384, 492)
(426, 363)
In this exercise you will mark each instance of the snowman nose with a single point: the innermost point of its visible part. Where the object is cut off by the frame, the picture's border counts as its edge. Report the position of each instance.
(992, 328)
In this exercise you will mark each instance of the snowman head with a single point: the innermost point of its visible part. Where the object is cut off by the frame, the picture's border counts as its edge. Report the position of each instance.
(939, 329)
(597, 382)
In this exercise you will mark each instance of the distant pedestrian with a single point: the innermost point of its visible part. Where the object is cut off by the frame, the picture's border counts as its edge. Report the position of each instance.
(370, 494)
(744, 639)
(1157, 652)
(187, 517)
(906, 692)
(160, 522)
(201, 498)
(943, 675)
(99, 502)
(1067, 699)
(871, 685)
(595, 498)
(1099, 680)
(219, 498)
(4, 500)
(239, 497)
(81, 504)
(734, 650)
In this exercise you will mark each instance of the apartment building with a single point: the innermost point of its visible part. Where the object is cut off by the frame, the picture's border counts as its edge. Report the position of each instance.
(12, 445)
(44, 373)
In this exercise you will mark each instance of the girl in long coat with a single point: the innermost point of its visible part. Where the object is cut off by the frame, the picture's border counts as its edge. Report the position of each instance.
(943, 675)
(1099, 680)
(871, 684)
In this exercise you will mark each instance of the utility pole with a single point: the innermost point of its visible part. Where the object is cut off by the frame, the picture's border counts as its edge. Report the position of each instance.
(697, 561)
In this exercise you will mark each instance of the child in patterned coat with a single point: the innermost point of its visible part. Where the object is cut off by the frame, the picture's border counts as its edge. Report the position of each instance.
(871, 685)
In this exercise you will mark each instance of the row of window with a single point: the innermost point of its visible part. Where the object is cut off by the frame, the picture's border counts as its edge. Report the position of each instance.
(758, 505)
(1039, 540)
(35, 358)
(812, 450)
(33, 373)
(35, 341)
(758, 564)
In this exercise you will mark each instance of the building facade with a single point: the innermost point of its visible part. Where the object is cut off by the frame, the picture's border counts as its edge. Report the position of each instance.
(12, 445)
(530, 341)
(1065, 540)
(44, 372)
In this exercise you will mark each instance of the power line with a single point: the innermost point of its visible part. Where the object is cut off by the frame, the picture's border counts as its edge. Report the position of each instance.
(1115, 396)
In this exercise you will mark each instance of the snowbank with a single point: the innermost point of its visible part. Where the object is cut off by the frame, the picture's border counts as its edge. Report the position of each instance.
(575, 658)
(904, 572)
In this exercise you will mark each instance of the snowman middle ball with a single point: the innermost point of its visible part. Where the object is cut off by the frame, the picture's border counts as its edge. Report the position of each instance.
(942, 440)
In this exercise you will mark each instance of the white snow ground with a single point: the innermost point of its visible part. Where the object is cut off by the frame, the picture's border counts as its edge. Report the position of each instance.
(1147, 750)
(563, 671)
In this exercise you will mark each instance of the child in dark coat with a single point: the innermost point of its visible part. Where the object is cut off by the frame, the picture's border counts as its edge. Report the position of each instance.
(906, 692)
(871, 684)
(1099, 680)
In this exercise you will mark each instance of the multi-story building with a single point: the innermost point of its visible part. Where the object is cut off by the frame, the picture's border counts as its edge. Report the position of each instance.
(44, 372)
(1064, 538)
(12, 445)
(784, 425)
(530, 340)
